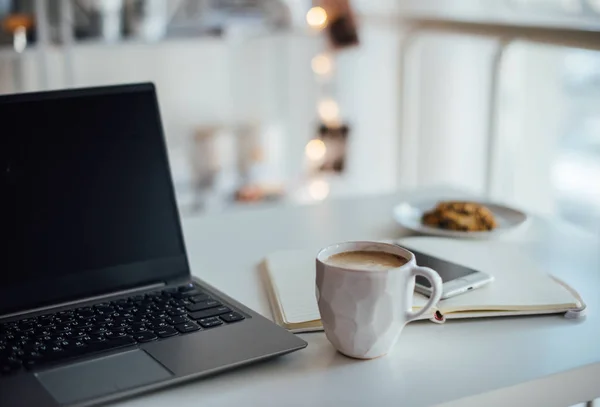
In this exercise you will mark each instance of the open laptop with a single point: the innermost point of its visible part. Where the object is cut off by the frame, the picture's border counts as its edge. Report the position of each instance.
(97, 300)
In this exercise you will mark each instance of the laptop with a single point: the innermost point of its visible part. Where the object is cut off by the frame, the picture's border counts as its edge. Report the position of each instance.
(97, 299)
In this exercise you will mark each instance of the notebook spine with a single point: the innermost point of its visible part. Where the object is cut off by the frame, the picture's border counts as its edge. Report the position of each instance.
(574, 313)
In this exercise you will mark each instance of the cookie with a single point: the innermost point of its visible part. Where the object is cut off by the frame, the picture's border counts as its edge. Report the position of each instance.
(460, 216)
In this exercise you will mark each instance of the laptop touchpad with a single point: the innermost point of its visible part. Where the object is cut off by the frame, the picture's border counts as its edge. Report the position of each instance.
(103, 376)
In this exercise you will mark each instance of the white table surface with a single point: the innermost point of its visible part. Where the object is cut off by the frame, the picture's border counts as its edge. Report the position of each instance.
(503, 361)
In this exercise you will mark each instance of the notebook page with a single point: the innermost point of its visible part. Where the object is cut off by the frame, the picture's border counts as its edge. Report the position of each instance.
(293, 277)
(518, 285)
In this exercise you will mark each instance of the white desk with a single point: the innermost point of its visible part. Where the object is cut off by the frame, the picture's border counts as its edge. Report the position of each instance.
(432, 363)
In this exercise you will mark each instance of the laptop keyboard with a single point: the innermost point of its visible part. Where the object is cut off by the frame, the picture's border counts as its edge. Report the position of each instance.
(37, 341)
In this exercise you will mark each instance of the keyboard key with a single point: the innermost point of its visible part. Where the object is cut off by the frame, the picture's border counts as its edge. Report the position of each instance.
(141, 319)
(186, 287)
(10, 338)
(179, 303)
(101, 318)
(23, 336)
(45, 321)
(187, 327)
(94, 339)
(202, 305)
(26, 327)
(105, 309)
(154, 294)
(57, 338)
(62, 328)
(76, 345)
(14, 348)
(231, 317)
(145, 337)
(19, 345)
(45, 339)
(75, 334)
(157, 326)
(117, 325)
(210, 322)
(159, 315)
(31, 355)
(42, 332)
(32, 345)
(99, 330)
(162, 299)
(55, 352)
(124, 307)
(102, 304)
(137, 329)
(166, 332)
(43, 348)
(177, 312)
(198, 298)
(85, 314)
(113, 344)
(64, 320)
(186, 294)
(115, 335)
(177, 320)
(80, 324)
(213, 312)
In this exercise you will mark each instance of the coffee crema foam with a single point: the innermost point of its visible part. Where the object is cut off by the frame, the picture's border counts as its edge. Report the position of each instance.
(366, 260)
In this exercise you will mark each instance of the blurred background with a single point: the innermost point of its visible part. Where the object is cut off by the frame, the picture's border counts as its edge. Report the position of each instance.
(270, 102)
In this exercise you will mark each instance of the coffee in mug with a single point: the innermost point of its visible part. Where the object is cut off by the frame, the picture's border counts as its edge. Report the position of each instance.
(365, 291)
(366, 260)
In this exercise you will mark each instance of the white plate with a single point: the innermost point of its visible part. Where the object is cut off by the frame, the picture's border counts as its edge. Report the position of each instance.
(409, 213)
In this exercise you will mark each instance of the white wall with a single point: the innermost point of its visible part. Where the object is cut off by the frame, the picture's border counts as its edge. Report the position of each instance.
(446, 124)
(532, 113)
(267, 79)
(192, 78)
(367, 87)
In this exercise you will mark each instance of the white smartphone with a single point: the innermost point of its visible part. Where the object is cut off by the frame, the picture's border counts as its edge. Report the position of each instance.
(456, 279)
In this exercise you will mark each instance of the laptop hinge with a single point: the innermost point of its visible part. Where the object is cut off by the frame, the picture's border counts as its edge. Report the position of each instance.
(130, 291)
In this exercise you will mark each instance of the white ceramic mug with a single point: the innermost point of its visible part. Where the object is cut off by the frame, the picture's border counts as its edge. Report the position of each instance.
(363, 311)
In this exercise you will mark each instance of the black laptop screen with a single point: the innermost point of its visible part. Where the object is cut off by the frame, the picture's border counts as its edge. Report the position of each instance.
(86, 196)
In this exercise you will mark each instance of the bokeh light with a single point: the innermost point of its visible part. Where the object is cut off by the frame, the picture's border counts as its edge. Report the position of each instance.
(316, 17)
(322, 64)
(318, 189)
(329, 111)
(315, 150)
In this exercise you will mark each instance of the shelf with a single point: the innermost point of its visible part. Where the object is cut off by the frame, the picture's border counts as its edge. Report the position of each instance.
(8, 52)
(584, 35)
(499, 13)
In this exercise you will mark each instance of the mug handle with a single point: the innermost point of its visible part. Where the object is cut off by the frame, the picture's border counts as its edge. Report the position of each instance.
(436, 284)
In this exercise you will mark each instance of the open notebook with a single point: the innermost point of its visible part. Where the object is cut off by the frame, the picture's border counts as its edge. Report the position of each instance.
(519, 288)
